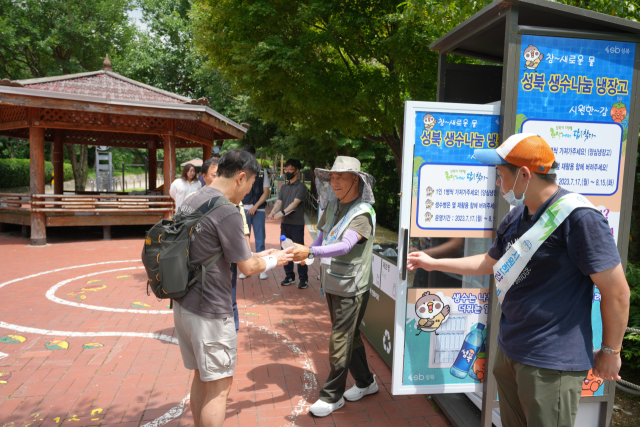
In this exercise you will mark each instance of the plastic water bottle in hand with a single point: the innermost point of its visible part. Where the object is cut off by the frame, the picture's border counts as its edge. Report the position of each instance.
(287, 243)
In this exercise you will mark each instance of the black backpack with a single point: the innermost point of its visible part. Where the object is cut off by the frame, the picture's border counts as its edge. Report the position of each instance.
(165, 254)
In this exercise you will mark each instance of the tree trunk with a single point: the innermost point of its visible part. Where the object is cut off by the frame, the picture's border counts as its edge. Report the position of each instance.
(634, 244)
(314, 190)
(80, 165)
(394, 142)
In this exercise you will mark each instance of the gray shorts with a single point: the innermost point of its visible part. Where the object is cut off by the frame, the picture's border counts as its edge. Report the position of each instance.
(206, 344)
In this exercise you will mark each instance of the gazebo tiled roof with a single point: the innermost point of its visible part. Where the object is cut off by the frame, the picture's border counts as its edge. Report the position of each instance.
(103, 84)
(106, 108)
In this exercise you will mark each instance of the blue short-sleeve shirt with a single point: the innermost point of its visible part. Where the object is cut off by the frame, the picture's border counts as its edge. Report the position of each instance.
(546, 315)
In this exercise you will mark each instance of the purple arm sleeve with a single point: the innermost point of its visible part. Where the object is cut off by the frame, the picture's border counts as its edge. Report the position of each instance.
(318, 241)
(349, 240)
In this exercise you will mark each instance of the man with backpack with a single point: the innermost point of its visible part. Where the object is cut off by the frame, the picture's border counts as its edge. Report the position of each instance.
(204, 316)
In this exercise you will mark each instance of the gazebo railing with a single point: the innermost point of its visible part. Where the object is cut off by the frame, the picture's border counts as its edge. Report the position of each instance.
(76, 203)
(50, 203)
(15, 202)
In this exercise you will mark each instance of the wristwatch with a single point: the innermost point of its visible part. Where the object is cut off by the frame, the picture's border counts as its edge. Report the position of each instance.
(608, 350)
(311, 254)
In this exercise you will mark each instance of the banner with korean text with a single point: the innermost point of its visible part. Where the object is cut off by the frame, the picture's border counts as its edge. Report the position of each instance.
(453, 194)
(576, 94)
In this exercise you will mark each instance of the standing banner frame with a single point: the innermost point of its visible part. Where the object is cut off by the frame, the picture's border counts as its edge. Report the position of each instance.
(447, 383)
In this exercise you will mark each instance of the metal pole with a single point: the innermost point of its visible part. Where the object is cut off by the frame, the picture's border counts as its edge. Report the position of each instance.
(122, 176)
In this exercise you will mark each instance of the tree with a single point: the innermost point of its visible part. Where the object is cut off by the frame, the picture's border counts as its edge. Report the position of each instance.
(322, 66)
(164, 56)
(41, 38)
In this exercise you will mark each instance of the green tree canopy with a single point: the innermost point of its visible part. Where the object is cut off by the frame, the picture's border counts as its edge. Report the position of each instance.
(40, 38)
(320, 66)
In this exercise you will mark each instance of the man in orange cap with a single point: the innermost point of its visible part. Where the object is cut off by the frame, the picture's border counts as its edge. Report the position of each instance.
(549, 252)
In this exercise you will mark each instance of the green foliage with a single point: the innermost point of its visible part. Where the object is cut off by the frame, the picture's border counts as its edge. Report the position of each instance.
(15, 172)
(314, 66)
(379, 163)
(164, 56)
(41, 38)
(13, 148)
(631, 344)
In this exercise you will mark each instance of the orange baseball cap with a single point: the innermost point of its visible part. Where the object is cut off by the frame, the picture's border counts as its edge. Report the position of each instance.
(521, 149)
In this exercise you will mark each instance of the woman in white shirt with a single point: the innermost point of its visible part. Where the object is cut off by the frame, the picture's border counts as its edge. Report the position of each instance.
(185, 185)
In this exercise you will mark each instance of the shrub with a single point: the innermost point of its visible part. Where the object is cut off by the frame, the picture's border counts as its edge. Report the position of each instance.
(631, 351)
(15, 172)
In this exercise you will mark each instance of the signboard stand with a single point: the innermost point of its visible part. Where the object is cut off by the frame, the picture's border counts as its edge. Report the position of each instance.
(568, 74)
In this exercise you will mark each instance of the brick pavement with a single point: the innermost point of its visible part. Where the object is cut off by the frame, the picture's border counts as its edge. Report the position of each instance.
(83, 345)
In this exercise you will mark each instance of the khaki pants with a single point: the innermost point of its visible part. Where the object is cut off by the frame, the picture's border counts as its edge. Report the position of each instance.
(536, 397)
(346, 349)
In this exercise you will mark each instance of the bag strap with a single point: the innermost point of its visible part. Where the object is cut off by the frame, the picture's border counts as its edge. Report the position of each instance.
(208, 263)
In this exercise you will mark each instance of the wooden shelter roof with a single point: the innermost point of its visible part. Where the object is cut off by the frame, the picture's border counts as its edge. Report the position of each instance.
(105, 108)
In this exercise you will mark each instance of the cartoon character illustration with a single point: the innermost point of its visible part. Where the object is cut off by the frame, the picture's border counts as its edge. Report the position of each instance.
(432, 313)
(591, 384)
(618, 112)
(533, 57)
(430, 191)
(428, 204)
(428, 217)
(429, 121)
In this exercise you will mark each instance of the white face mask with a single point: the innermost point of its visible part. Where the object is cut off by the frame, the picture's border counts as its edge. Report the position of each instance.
(510, 197)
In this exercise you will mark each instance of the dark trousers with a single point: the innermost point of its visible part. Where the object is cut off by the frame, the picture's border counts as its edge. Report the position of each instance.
(234, 280)
(346, 349)
(296, 234)
(536, 397)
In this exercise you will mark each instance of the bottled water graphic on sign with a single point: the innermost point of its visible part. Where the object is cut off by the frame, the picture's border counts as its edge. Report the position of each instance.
(588, 154)
(444, 338)
(456, 197)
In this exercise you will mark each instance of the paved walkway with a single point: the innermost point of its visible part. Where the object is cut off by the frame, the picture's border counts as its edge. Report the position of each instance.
(81, 344)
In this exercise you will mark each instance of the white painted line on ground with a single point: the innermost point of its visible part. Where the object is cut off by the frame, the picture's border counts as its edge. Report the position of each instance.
(63, 269)
(51, 296)
(26, 329)
(171, 415)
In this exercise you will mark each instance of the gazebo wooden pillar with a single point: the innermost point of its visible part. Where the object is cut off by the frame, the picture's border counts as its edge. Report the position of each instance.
(153, 166)
(36, 177)
(206, 153)
(57, 157)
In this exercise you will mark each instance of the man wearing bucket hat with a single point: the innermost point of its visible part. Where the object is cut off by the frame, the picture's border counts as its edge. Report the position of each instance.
(345, 247)
(549, 252)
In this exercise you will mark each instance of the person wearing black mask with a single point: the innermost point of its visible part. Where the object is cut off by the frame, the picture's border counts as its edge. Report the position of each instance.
(290, 196)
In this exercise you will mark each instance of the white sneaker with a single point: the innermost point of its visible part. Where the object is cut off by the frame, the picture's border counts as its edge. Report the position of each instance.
(356, 393)
(322, 409)
(263, 276)
(241, 276)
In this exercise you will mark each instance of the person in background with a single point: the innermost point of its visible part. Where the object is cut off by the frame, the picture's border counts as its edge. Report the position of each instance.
(289, 207)
(206, 333)
(254, 204)
(185, 185)
(346, 232)
(209, 171)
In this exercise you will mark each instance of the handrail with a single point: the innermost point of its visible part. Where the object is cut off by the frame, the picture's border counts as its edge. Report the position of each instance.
(97, 203)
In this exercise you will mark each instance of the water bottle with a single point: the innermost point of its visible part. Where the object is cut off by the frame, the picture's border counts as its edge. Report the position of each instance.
(468, 352)
(287, 243)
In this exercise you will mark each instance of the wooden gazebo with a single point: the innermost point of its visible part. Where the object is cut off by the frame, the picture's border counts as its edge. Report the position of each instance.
(100, 108)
